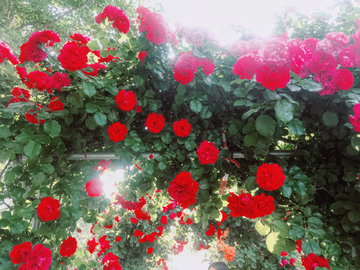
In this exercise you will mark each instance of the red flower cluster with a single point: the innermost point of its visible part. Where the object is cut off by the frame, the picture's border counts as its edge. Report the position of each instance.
(104, 164)
(73, 57)
(141, 215)
(312, 261)
(155, 122)
(59, 80)
(251, 207)
(81, 39)
(207, 153)
(111, 262)
(104, 245)
(355, 120)
(158, 30)
(31, 116)
(270, 176)
(94, 187)
(183, 189)
(91, 245)
(95, 69)
(182, 128)
(195, 35)
(68, 247)
(186, 65)
(125, 100)
(142, 56)
(115, 15)
(17, 92)
(5, 52)
(150, 250)
(273, 60)
(39, 80)
(128, 205)
(117, 132)
(164, 220)
(211, 231)
(56, 104)
(39, 258)
(30, 50)
(108, 58)
(48, 209)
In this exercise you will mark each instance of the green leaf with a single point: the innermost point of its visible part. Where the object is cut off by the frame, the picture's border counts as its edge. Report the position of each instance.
(17, 227)
(90, 108)
(251, 139)
(284, 110)
(300, 188)
(281, 227)
(4, 223)
(311, 85)
(355, 142)
(5, 132)
(32, 149)
(88, 88)
(38, 178)
(190, 145)
(294, 75)
(249, 113)
(250, 183)
(314, 223)
(204, 184)
(206, 112)
(330, 119)
(166, 138)
(354, 215)
(179, 99)
(286, 191)
(181, 89)
(310, 246)
(23, 137)
(277, 244)
(270, 95)
(53, 128)
(296, 127)
(261, 149)
(319, 233)
(112, 89)
(138, 81)
(100, 119)
(297, 233)
(162, 166)
(265, 125)
(9, 177)
(240, 102)
(262, 228)
(195, 105)
(93, 45)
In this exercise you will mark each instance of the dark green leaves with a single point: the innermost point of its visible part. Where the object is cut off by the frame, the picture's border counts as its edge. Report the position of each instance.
(310, 246)
(88, 88)
(195, 105)
(4, 132)
(311, 85)
(277, 244)
(93, 45)
(52, 128)
(32, 149)
(265, 125)
(296, 127)
(100, 119)
(330, 119)
(284, 110)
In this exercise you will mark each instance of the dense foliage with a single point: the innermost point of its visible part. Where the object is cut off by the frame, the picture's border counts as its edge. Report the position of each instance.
(177, 116)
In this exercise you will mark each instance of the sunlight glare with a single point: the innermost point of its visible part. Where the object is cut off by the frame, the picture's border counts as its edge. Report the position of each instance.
(187, 260)
(110, 181)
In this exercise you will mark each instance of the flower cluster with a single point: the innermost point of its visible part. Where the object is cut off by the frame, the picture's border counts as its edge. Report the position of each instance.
(270, 176)
(48, 209)
(68, 247)
(125, 100)
(186, 65)
(273, 60)
(155, 122)
(182, 128)
(39, 257)
(5, 52)
(207, 153)
(355, 120)
(17, 93)
(183, 189)
(142, 56)
(157, 29)
(312, 261)
(30, 50)
(94, 187)
(195, 35)
(117, 132)
(115, 15)
(246, 205)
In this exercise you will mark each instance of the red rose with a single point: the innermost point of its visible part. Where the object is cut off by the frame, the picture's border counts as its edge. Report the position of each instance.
(38, 259)
(345, 79)
(211, 230)
(298, 245)
(91, 245)
(355, 120)
(19, 253)
(125, 101)
(270, 176)
(117, 239)
(39, 80)
(245, 67)
(150, 250)
(48, 209)
(16, 92)
(283, 262)
(151, 156)
(5, 52)
(134, 220)
(59, 80)
(117, 132)
(21, 71)
(56, 104)
(172, 216)
(322, 61)
(241, 205)
(141, 215)
(312, 261)
(155, 122)
(95, 69)
(207, 153)
(73, 57)
(207, 65)
(273, 76)
(156, 32)
(164, 220)
(82, 40)
(262, 205)
(113, 265)
(138, 109)
(224, 216)
(68, 247)
(183, 75)
(183, 189)
(115, 15)
(160, 230)
(94, 187)
(109, 257)
(142, 56)
(182, 128)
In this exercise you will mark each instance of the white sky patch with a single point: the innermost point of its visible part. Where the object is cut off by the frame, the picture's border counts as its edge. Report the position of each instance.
(255, 15)
(187, 260)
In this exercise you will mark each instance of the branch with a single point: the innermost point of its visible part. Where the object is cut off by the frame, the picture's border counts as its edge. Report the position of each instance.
(64, 15)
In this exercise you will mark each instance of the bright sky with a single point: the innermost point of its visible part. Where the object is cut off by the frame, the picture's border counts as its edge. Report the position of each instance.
(255, 15)
(187, 260)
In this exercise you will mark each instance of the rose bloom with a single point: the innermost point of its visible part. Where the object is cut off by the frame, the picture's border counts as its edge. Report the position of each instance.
(211, 230)
(164, 220)
(73, 57)
(350, 56)
(94, 187)
(39, 80)
(19, 253)
(118, 16)
(56, 104)
(91, 245)
(21, 71)
(270, 176)
(117, 239)
(142, 56)
(345, 79)
(48, 209)
(207, 153)
(273, 76)
(125, 100)
(182, 128)
(262, 205)
(245, 67)
(5, 52)
(311, 43)
(117, 132)
(155, 122)
(183, 189)
(150, 250)
(31, 116)
(38, 259)
(355, 120)
(312, 261)
(96, 67)
(321, 61)
(82, 40)
(68, 247)
(207, 65)
(183, 75)
(241, 205)
(59, 80)
(156, 32)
